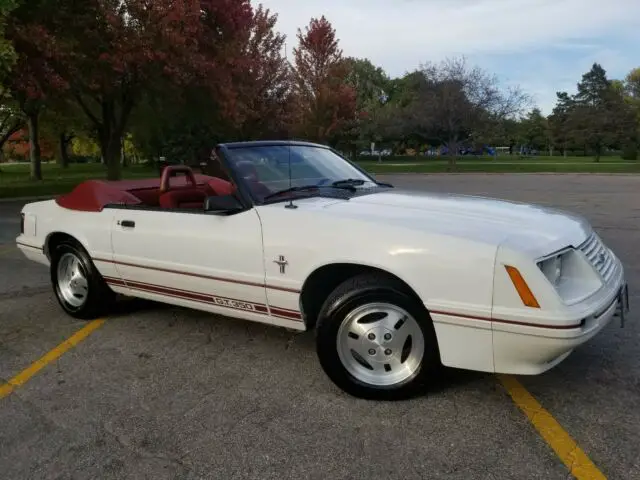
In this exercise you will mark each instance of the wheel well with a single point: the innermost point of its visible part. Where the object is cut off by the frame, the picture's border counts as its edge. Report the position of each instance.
(319, 285)
(54, 239)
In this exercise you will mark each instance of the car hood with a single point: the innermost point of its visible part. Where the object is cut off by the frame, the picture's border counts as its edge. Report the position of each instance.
(533, 229)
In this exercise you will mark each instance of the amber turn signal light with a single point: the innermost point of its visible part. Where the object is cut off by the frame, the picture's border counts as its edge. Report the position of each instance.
(521, 287)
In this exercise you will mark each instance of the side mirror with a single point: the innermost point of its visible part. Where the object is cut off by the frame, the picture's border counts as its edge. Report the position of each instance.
(222, 204)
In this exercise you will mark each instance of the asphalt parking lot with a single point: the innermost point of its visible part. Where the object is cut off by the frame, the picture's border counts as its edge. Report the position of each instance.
(160, 392)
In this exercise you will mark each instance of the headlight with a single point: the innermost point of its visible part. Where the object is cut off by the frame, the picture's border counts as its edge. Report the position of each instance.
(552, 269)
(571, 274)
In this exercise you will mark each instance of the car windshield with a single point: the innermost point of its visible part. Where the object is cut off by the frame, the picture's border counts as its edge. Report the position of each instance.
(278, 172)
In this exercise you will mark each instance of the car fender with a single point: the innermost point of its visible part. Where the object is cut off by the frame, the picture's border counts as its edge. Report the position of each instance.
(90, 229)
(447, 272)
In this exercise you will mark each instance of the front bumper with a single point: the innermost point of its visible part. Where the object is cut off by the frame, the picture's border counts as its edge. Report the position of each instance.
(530, 351)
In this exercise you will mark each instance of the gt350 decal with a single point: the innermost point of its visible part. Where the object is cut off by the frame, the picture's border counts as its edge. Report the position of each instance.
(227, 302)
(207, 298)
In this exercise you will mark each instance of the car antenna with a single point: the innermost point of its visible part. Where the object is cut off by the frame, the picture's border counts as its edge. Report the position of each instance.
(290, 204)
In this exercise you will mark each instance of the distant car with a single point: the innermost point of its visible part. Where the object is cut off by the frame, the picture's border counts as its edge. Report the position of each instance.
(395, 283)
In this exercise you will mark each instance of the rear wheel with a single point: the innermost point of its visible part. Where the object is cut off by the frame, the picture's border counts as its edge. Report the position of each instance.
(80, 289)
(375, 341)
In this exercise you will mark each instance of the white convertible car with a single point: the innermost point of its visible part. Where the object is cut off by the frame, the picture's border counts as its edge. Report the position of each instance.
(395, 284)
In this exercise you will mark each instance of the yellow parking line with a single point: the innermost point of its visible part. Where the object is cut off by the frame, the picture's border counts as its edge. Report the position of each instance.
(49, 357)
(580, 466)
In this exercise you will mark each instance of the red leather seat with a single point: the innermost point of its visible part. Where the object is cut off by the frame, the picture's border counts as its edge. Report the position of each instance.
(183, 198)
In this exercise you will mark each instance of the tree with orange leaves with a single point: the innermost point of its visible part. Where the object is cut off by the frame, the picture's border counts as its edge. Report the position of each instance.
(264, 81)
(324, 102)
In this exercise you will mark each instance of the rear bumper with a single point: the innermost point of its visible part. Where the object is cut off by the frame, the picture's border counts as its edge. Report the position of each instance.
(525, 351)
(31, 250)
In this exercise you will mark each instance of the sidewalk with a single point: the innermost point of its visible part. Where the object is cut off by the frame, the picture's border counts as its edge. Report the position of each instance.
(26, 199)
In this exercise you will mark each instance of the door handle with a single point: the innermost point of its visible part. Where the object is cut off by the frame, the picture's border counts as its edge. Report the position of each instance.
(127, 223)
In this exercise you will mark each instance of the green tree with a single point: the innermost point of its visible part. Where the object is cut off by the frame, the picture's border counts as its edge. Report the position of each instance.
(600, 117)
(7, 52)
(62, 120)
(632, 96)
(632, 84)
(371, 85)
(534, 130)
(85, 146)
(33, 79)
(560, 122)
(457, 100)
(11, 118)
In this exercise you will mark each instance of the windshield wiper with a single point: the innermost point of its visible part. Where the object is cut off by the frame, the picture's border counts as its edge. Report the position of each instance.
(348, 184)
(292, 189)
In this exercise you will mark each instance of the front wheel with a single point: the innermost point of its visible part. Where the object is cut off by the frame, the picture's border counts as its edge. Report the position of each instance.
(375, 341)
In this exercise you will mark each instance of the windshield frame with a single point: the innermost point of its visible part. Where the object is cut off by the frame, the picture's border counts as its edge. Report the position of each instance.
(226, 154)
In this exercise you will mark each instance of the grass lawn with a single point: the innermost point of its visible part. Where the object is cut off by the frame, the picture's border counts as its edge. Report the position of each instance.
(515, 159)
(571, 165)
(14, 178)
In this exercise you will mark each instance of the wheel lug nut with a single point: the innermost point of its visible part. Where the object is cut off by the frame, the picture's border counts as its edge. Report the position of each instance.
(387, 351)
(371, 336)
(372, 351)
(387, 336)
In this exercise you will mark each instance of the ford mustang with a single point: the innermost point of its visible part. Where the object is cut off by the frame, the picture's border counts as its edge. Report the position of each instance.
(396, 284)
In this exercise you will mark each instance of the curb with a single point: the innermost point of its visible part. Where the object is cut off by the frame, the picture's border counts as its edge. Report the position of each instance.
(624, 174)
(26, 199)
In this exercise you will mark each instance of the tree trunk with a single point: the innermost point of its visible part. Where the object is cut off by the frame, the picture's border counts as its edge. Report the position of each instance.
(453, 153)
(123, 155)
(34, 147)
(4, 138)
(63, 154)
(110, 149)
(110, 127)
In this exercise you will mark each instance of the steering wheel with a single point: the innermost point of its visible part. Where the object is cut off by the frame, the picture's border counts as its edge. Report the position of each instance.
(170, 170)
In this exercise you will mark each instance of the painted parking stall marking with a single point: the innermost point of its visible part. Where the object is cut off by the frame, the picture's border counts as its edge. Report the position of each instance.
(24, 376)
(565, 447)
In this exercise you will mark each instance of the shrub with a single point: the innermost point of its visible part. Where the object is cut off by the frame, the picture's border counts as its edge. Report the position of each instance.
(630, 152)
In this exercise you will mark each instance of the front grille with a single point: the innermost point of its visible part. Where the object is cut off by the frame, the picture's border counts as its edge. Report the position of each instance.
(599, 256)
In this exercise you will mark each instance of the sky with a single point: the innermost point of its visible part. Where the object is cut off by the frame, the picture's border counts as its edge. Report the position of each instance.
(543, 46)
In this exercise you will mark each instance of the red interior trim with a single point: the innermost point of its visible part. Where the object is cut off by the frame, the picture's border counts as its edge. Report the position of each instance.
(94, 195)
(198, 275)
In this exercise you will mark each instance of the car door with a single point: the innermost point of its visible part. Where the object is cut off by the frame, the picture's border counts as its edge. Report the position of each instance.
(197, 260)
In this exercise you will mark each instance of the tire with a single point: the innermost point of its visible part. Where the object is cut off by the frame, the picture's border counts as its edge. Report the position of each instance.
(88, 303)
(372, 304)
